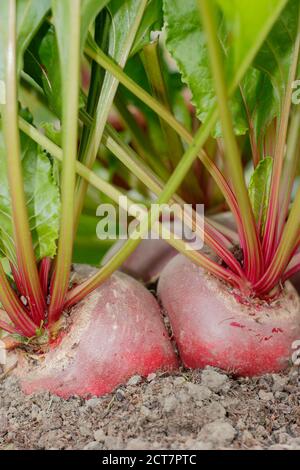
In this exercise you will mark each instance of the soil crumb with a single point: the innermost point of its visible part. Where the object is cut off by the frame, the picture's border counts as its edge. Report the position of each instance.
(188, 410)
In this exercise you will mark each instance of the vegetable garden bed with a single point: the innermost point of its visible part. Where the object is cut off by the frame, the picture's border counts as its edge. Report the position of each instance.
(199, 410)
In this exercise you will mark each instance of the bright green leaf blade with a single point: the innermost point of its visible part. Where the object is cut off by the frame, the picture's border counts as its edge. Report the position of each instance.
(126, 16)
(275, 56)
(245, 19)
(121, 38)
(43, 210)
(89, 10)
(264, 91)
(259, 189)
(49, 63)
(30, 14)
(42, 64)
(152, 21)
(243, 23)
(260, 101)
(186, 43)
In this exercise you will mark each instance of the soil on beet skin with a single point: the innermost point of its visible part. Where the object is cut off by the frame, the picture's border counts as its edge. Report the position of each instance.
(188, 410)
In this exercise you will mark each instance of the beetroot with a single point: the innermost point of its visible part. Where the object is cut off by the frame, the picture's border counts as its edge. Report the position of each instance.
(212, 326)
(117, 331)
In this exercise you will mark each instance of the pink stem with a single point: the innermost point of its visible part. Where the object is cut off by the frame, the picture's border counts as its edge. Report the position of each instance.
(44, 274)
(17, 279)
(9, 328)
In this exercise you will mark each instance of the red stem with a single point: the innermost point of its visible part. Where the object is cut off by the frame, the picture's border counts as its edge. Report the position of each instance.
(14, 308)
(9, 328)
(44, 271)
(17, 279)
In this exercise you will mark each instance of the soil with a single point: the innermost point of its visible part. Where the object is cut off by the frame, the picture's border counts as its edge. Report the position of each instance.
(187, 410)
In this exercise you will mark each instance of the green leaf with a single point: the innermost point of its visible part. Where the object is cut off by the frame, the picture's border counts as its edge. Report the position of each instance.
(245, 20)
(265, 84)
(179, 106)
(30, 14)
(135, 70)
(241, 25)
(275, 56)
(42, 197)
(42, 63)
(260, 101)
(50, 67)
(89, 10)
(152, 21)
(126, 16)
(42, 60)
(186, 43)
(259, 189)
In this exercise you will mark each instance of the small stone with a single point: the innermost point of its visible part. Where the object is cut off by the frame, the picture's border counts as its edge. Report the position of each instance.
(170, 404)
(183, 396)
(230, 402)
(214, 411)
(213, 380)
(114, 443)
(137, 444)
(145, 411)
(84, 430)
(198, 392)
(247, 439)
(35, 411)
(265, 396)
(120, 395)
(219, 433)
(199, 445)
(179, 380)
(283, 437)
(99, 435)
(261, 432)
(278, 383)
(134, 380)
(93, 446)
(151, 377)
(294, 443)
(93, 402)
(240, 424)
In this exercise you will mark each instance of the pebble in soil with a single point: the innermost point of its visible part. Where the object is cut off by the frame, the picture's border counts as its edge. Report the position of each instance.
(194, 410)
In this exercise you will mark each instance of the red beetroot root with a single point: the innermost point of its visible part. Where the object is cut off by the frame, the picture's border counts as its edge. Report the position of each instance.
(212, 328)
(116, 332)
